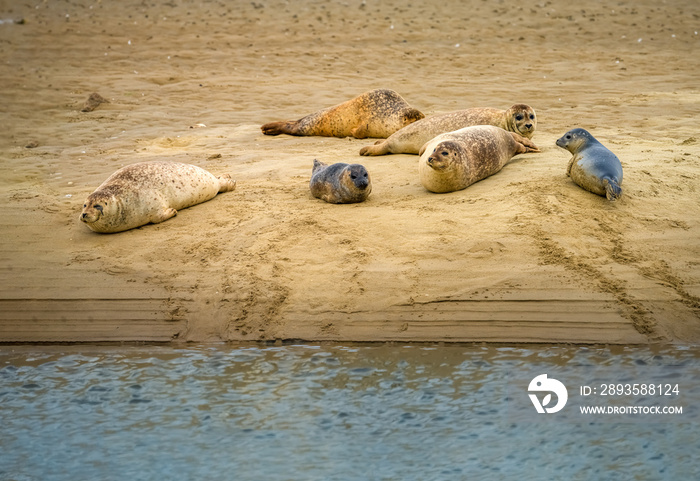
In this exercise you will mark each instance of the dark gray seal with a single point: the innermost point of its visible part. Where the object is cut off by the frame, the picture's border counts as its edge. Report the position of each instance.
(377, 113)
(340, 183)
(593, 167)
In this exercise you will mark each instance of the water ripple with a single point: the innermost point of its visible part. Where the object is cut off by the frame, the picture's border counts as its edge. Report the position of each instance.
(314, 412)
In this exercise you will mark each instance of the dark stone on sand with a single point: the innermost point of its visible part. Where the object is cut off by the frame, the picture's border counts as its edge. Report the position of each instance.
(93, 101)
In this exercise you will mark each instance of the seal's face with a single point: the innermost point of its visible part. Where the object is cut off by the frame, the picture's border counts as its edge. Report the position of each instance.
(95, 208)
(444, 154)
(524, 119)
(574, 139)
(412, 115)
(358, 176)
(91, 213)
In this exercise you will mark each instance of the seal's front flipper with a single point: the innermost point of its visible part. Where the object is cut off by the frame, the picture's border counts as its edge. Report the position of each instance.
(530, 145)
(164, 215)
(360, 132)
(526, 145)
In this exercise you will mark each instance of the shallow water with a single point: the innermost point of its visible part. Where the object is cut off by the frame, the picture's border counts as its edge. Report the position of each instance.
(336, 412)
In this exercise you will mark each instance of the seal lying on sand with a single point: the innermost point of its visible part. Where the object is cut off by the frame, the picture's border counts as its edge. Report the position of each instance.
(520, 118)
(593, 167)
(340, 183)
(149, 192)
(455, 160)
(377, 113)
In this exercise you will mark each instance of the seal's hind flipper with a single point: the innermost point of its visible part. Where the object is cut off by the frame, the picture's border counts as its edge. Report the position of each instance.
(380, 147)
(276, 128)
(317, 166)
(612, 190)
(226, 183)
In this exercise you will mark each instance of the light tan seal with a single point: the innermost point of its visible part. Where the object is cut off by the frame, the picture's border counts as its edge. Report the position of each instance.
(377, 113)
(455, 160)
(519, 118)
(149, 192)
(593, 167)
(340, 183)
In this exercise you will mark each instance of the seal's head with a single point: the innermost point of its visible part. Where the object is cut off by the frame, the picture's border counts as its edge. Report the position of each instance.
(412, 115)
(356, 177)
(445, 154)
(93, 209)
(99, 211)
(522, 120)
(574, 139)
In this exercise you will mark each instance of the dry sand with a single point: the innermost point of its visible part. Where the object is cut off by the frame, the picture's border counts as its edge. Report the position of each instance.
(523, 256)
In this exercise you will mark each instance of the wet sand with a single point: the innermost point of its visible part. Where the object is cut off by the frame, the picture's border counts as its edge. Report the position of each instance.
(522, 256)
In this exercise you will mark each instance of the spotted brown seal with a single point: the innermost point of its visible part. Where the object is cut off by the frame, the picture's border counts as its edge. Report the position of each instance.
(149, 192)
(519, 118)
(377, 113)
(455, 160)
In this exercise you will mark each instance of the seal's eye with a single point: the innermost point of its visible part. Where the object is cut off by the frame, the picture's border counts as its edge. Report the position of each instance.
(98, 207)
(84, 205)
(444, 152)
(532, 117)
(568, 136)
(519, 117)
(353, 176)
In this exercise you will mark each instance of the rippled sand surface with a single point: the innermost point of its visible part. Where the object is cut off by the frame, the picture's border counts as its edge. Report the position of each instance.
(524, 255)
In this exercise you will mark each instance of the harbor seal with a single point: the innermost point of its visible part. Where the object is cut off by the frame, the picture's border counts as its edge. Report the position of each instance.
(519, 118)
(377, 113)
(340, 183)
(149, 192)
(593, 167)
(455, 160)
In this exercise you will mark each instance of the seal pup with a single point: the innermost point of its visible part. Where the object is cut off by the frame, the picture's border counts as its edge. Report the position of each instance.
(519, 118)
(377, 113)
(149, 192)
(593, 167)
(340, 183)
(455, 160)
